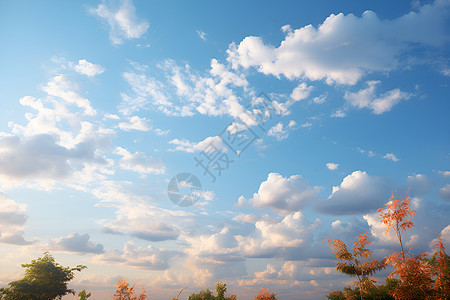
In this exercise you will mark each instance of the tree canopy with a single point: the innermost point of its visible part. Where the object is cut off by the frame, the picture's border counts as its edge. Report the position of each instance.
(44, 280)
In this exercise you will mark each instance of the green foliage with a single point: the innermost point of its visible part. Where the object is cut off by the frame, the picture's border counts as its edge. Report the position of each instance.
(83, 295)
(375, 292)
(44, 280)
(357, 263)
(221, 289)
(203, 295)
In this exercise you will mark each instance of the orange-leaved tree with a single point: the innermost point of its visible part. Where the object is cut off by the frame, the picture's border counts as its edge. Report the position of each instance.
(126, 292)
(263, 294)
(440, 262)
(415, 277)
(356, 263)
(396, 216)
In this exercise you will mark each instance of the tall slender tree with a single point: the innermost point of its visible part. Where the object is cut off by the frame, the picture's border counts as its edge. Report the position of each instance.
(356, 263)
(396, 216)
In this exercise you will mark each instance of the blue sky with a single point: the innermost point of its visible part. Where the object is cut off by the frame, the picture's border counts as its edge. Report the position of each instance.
(103, 103)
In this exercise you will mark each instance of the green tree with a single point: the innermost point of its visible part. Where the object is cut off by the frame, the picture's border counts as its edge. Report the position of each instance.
(203, 295)
(83, 295)
(44, 280)
(221, 289)
(376, 292)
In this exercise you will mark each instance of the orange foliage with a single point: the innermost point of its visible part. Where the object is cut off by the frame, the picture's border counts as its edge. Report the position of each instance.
(415, 277)
(395, 216)
(442, 282)
(358, 263)
(263, 294)
(125, 292)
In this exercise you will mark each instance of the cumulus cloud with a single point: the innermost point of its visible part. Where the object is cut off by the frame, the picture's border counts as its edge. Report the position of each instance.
(134, 256)
(444, 192)
(139, 162)
(12, 221)
(344, 48)
(358, 193)
(284, 194)
(123, 21)
(332, 166)
(301, 92)
(135, 123)
(367, 98)
(272, 237)
(39, 158)
(88, 69)
(78, 243)
(418, 184)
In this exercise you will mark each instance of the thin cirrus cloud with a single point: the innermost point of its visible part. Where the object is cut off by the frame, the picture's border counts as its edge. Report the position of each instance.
(123, 22)
(344, 48)
(185, 92)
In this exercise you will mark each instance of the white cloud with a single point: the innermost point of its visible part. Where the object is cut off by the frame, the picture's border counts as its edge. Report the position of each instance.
(12, 221)
(339, 114)
(210, 144)
(88, 69)
(161, 132)
(135, 123)
(344, 48)
(332, 166)
(444, 192)
(306, 125)
(320, 99)
(123, 22)
(134, 256)
(280, 131)
(301, 92)
(367, 98)
(201, 34)
(139, 162)
(358, 193)
(190, 92)
(418, 184)
(77, 243)
(445, 173)
(284, 194)
(391, 156)
(272, 236)
(60, 86)
(136, 216)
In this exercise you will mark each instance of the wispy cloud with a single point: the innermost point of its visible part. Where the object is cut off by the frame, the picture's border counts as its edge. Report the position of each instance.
(123, 21)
